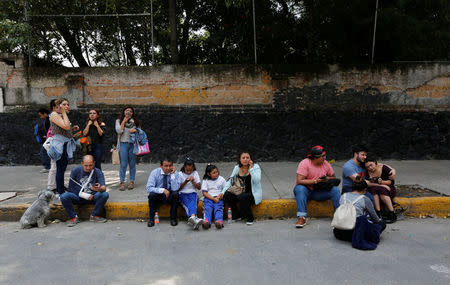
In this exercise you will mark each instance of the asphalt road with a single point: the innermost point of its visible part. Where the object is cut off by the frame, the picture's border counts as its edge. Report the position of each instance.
(411, 251)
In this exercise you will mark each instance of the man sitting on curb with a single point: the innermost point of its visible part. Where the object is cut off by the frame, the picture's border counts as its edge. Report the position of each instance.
(86, 186)
(310, 171)
(162, 187)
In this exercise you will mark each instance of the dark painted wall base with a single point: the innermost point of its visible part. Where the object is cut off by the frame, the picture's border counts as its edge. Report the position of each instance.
(209, 135)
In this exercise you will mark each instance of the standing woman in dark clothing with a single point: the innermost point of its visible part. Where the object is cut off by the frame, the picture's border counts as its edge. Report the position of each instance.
(250, 174)
(95, 129)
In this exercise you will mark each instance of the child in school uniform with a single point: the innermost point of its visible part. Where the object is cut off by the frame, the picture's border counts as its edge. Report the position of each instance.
(212, 186)
(189, 184)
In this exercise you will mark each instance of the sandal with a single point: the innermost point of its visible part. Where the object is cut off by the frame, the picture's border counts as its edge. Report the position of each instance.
(122, 186)
(131, 185)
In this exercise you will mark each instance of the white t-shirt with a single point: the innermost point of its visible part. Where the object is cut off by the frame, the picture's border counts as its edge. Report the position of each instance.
(188, 188)
(213, 187)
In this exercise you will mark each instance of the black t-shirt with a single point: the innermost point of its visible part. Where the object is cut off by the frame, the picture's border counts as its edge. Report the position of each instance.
(247, 182)
(93, 133)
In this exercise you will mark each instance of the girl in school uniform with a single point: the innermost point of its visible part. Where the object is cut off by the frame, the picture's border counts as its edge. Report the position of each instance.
(189, 184)
(212, 186)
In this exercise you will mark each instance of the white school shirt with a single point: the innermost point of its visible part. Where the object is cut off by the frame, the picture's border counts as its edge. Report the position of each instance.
(213, 187)
(188, 188)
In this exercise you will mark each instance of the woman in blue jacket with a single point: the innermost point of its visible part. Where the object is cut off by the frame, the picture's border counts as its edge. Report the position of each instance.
(250, 174)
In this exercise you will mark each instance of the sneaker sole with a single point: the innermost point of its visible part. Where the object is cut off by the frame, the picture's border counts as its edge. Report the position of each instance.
(197, 225)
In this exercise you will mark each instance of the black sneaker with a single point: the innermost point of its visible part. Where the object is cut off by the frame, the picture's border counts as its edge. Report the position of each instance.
(249, 221)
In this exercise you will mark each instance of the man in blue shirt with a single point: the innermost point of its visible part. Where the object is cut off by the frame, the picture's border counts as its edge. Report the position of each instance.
(354, 167)
(162, 187)
(86, 186)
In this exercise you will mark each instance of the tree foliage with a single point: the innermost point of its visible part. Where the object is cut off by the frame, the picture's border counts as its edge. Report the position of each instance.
(218, 31)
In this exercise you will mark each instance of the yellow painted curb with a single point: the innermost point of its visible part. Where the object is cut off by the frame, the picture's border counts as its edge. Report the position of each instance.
(267, 209)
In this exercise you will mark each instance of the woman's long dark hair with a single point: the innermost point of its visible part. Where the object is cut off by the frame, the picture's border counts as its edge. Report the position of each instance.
(99, 117)
(209, 168)
(134, 117)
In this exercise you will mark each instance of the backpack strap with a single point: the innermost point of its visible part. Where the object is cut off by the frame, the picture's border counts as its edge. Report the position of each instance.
(357, 199)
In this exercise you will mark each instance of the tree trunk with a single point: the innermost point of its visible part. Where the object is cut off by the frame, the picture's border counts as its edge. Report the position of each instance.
(173, 31)
(72, 44)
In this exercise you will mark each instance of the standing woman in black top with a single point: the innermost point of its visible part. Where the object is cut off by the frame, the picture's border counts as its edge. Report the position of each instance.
(95, 129)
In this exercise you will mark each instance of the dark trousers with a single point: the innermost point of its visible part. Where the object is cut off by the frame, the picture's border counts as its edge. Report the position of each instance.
(61, 166)
(97, 151)
(45, 159)
(245, 200)
(155, 200)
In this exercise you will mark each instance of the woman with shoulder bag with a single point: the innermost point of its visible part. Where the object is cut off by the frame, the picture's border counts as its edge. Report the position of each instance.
(62, 146)
(125, 126)
(243, 187)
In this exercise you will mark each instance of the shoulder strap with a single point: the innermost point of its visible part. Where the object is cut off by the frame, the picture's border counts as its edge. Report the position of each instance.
(357, 199)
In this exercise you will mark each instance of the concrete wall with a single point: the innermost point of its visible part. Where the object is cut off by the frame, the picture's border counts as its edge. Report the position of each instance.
(394, 87)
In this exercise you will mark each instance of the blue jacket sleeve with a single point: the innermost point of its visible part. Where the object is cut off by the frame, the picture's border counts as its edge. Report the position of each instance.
(151, 183)
(100, 177)
(255, 173)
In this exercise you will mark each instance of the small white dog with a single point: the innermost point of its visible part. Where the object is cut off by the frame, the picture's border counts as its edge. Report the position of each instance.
(38, 212)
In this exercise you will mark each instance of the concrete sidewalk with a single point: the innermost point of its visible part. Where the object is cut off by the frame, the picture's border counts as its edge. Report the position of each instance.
(277, 181)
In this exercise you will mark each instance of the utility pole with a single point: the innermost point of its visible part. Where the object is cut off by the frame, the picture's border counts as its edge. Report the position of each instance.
(374, 32)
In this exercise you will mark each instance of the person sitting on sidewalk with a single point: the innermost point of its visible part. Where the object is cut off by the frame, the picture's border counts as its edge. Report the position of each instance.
(162, 187)
(366, 234)
(381, 187)
(355, 167)
(312, 170)
(86, 186)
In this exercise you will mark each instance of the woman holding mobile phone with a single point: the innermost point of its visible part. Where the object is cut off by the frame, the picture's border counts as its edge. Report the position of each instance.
(62, 146)
(95, 129)
(126, 125)
(250, 174)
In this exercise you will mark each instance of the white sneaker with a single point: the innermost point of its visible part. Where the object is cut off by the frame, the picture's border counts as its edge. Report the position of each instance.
(44, 170)
(197, 223)
(191, 220)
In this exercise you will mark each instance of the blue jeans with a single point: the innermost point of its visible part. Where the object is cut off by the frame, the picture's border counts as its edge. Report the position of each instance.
(303, 195)
(61, 166)
(97, 151)
(68, 199)
(45, 159)
(127, 157)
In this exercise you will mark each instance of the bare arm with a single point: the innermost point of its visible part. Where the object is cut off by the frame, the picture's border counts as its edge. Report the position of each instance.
(63, 122)
(207, 195)
(86, 129)
(301, 180)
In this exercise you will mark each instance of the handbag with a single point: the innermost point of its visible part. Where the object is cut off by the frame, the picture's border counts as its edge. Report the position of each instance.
(143, 149)
(115, 152)
(237, 187)
(47, 142)
(345, 216)
(327, 185)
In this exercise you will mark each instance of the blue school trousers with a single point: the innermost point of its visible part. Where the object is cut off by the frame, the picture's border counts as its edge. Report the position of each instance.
(210, 207)
(189, 203)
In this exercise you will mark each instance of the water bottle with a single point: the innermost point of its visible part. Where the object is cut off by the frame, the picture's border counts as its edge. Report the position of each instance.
(156, 221)
(230, 216)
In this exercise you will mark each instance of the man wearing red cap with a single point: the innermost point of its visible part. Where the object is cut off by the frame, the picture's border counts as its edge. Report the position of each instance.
(313, 170)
